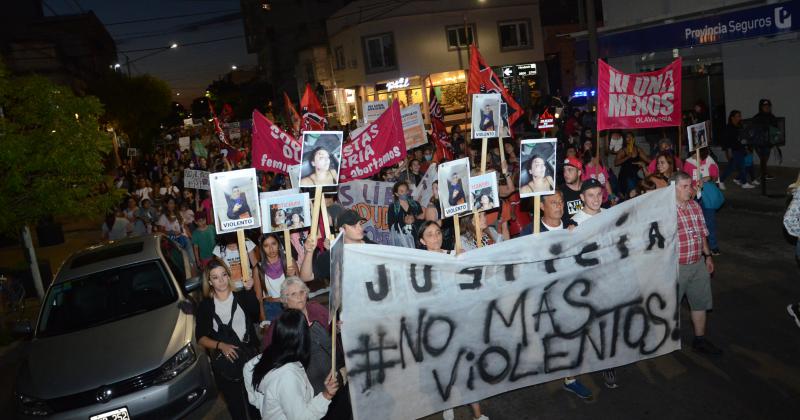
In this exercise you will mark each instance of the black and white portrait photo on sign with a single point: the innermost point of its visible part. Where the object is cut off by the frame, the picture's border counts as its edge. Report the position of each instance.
(454, 192)
(483, 189)
(285, 211)
(505, 130)
(235, 198)
(537, 167)
(485, 115)
(294, 175)
(322, 154)
(699, 135)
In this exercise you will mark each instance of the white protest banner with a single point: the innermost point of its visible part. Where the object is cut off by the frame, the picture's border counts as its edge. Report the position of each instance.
(235, 198)
(373, 110)
(483, 189)
(184, 143)
(423, 192)
(413, 126)
(371, 200)
(426, 331)
(193, 178)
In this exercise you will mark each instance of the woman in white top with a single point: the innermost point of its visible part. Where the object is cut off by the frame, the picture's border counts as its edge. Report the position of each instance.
(280, 373)
(273, 269)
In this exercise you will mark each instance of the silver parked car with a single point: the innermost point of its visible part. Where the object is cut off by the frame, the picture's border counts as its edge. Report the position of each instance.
(115, 338)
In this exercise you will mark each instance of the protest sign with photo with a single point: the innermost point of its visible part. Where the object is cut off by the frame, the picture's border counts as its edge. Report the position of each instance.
(537, 167)
(422, 193)
(454, 187)
(133, 152)
(640, 100)
(273, 150)
(371, 200)
(485, 115)
(373, 109)
(380, 145)
(698, 135)
(322, 155)
(193, 178)
(184, 143)
(235, 198)
(428, 331)
(413, 126)
(483, 189)
(505, 128)
(284, 211)
(294, 175)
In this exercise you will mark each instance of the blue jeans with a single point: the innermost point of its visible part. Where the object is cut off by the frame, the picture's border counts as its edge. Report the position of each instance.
(711, 223)
(736, 164)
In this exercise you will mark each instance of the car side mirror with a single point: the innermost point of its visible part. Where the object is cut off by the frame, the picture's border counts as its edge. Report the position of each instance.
(192, 284)
(22, 328)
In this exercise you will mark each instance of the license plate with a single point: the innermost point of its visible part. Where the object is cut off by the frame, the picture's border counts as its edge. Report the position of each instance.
(118, 414)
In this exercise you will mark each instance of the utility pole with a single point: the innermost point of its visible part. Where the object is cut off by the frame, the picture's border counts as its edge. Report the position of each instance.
(128, 64)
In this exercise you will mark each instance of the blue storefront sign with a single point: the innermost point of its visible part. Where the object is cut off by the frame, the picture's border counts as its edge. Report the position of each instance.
(755, 22)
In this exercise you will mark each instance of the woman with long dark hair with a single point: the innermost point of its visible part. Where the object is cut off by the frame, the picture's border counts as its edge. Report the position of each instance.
(280, 376)
(273, 269)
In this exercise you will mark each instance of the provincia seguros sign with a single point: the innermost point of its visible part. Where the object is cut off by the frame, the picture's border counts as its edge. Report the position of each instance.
(739, 26)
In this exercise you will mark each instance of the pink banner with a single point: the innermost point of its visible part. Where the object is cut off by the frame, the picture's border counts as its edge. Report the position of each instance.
(380, 144)
(640, 100)
(273, 149)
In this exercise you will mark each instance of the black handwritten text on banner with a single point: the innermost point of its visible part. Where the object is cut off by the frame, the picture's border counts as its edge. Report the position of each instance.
(427, 331)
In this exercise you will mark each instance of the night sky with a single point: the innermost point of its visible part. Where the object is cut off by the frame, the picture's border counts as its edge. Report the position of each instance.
(188, 70)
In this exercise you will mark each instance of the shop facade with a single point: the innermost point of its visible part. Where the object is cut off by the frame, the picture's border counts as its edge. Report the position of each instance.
(734, 54)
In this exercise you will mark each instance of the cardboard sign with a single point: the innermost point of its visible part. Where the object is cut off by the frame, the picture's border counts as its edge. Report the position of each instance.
(454, 195)
(379, 145)
(235, 198)
(281, 211)
(371, 200)
(483, 189)
(373, 110)
(184, 143)
(640, 100)
(193, 178)
(537, 167)
(485, 115)
(698, 135)
(427, 331)
(423, 192)
(322, 156)
(413, 126)
(546, 121)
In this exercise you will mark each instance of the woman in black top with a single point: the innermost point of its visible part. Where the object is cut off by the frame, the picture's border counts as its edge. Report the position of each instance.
(225, 327)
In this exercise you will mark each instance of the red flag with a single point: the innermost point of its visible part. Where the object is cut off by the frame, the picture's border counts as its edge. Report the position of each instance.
(444, 149)
(483, 80)
(231, 153)
(272, 149)
(313, 116)
(291, 113)
(227, 113)
(379, 144)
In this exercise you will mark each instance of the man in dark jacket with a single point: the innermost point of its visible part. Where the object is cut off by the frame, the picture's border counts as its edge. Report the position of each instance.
(763, 121)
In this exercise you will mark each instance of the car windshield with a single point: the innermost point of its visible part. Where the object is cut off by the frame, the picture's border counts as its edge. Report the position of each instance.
(104, 297)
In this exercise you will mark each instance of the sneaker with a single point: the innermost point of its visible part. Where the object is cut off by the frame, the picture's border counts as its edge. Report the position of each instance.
(769, 177)
(610, 378)
(794, 312)
(701, 345)
(748, 186)
(577, 388)
(721, 185)
(755, 182)
(448, 414)
(737, 182)
(482, 417)
(715, 252)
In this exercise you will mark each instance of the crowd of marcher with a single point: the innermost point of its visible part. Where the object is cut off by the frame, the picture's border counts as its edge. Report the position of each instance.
(285, 371)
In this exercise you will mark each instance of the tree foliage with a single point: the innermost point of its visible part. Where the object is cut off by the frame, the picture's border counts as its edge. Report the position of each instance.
(51, 153)
(135, 106)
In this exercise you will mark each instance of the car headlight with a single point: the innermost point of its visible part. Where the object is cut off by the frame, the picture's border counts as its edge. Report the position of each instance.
(31, 406)
(184, 358)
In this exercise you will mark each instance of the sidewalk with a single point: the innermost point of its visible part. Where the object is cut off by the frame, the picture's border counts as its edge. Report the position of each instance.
(752, 200)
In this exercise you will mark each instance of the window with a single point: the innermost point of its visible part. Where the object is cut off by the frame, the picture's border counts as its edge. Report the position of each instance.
(515, 35)
(379, 54)
(460, 36)
(338, 54)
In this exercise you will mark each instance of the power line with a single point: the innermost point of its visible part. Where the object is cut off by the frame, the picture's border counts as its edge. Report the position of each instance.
(151, 19)
(188, 44)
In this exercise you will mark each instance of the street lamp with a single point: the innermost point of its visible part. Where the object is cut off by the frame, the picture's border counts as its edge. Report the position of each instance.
(233, 67)
(174, 45)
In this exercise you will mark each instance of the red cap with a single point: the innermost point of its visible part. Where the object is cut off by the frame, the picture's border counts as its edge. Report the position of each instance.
(573, 161)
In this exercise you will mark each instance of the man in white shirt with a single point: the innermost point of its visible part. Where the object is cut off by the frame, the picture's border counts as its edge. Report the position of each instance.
(592, 198)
